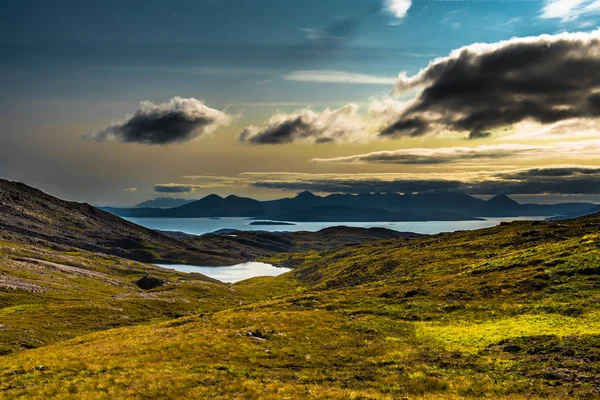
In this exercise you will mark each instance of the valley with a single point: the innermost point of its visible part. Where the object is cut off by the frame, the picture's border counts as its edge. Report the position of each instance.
(504, 312)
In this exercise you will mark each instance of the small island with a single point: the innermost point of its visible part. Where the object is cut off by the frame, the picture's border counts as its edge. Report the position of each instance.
(265, 223)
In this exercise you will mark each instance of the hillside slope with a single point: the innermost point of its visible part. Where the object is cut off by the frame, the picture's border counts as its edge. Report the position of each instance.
(507, 312)
(28, 215)
(48, 295)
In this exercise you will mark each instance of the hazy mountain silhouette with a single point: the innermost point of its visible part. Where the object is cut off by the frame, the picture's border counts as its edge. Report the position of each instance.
(164, 202)
(306, 206)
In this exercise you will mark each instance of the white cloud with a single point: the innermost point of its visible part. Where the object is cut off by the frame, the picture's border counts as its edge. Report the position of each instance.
(386, 110)
(330, 76)
(580, 150)
(398, 7)
(308, 126)
(569, 10)
(178, 121)
(572, 128)
(343, 125)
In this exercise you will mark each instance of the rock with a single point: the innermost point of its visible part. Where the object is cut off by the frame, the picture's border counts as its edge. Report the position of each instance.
(16, 372)
(258, 333)
(149, 282)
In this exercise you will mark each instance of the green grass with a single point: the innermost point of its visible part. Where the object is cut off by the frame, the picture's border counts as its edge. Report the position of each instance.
(509, 312)
(47, 304)
(466, 336)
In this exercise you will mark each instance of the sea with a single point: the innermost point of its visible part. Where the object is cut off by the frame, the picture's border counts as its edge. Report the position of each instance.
(201, 226)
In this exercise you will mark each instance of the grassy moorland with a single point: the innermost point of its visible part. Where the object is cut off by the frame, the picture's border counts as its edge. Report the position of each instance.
(507, 312)
(48, 296)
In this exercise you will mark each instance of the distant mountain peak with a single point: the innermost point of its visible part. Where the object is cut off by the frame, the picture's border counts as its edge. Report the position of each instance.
(164, 202)
(502, 200)
(213, 197)
(306, 195)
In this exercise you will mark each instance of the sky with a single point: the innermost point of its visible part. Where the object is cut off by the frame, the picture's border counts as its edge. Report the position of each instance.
(116, 102)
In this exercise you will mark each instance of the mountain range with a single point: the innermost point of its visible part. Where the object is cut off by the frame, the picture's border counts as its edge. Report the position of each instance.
(163, 202)
(366, 207)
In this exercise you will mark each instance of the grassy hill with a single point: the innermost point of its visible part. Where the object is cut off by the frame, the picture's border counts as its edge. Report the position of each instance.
(28, 215)
(48, 296)
(507, 312)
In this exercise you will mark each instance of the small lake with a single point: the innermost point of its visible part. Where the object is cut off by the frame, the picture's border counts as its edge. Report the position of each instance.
(200, 226)
(232, 274)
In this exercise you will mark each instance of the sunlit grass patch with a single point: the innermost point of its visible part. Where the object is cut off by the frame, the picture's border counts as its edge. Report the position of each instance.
(472, 337)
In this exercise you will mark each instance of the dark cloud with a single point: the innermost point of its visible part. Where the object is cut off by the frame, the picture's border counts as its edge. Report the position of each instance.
(474, 135)
(308, 126)
(552, 172)
(361, 186)
(178, 121)
(285, 132)
(543, 181)
(552, 181)
(579, 150)
(175, 188)
(413, 126)
(548, 78)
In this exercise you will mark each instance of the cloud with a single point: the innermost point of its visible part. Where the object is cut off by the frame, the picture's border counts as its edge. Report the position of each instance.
(568, 180)
(180, 120)
(176, 188)
(548, 78)
(398, 7)
(569, 10)
(552, 172)
(329, 76)
(424, 156)
(564, 180)
(356, 186)
(330, 40)
(214, 181)
(308, 126)
(572, 128)
(474, 135)
(452, 19)
(584, 149)
(556, 180)
(349, 183)
(386, 110)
